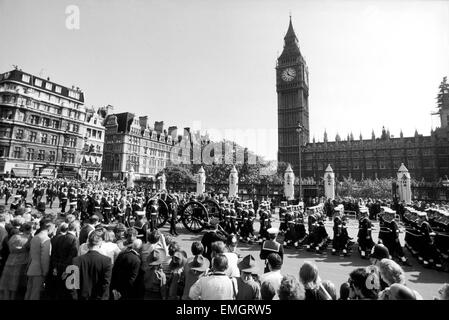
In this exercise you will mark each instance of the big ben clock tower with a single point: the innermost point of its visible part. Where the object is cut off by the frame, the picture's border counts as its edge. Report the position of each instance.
(292, 87)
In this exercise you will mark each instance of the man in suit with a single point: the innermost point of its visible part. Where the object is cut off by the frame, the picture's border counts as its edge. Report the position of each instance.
(126, 271)
(95, 271)
(210, 237)
(40, 248)
(88, 228)
(64, 249)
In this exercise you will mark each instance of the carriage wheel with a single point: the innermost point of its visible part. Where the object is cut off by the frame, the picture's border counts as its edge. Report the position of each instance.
(194, 216)
(213, 209)
(162, 216)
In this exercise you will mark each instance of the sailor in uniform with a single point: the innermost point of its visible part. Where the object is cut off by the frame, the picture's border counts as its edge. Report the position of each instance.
(152, 211)
(271, 246)
(428, 253)
(365, 239)
(141, 225)
(389, 236)
(63, 198)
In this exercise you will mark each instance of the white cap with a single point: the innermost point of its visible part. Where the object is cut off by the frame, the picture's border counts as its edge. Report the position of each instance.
(140, 213)
(273, 230)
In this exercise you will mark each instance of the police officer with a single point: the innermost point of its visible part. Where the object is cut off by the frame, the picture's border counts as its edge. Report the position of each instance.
(271, 246)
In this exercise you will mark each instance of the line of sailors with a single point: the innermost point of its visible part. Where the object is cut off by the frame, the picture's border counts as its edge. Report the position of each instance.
(427, 235)
(239, 217)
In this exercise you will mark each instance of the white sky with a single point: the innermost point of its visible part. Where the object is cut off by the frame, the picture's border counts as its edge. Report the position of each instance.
(371, 63)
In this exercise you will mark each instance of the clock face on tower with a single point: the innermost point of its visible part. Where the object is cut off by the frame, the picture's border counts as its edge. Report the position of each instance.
(288, 74)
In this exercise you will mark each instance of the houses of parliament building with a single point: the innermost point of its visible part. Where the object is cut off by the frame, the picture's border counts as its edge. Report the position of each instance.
(426, 157)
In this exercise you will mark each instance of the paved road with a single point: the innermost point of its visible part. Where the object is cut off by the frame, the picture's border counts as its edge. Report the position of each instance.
(333, 268)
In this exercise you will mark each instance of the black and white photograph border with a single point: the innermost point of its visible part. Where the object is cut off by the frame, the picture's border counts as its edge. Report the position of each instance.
(224, 150)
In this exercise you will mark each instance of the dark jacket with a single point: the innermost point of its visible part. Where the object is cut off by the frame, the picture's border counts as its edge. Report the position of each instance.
(95, 272)
(125, 273)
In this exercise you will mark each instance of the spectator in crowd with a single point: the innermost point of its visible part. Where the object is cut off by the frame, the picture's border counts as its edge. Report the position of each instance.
(216, 286)
(154, 280)
(88, 228)
(155, 241)
(108, 247)
(308, 274)
(126, 272)
(64, 247)
(274, 276)
(13, 280)
(330, 288)
(344, 291)
(391, 272)
(361, 286)
(95, 271)
(40, 249)
(248, 289)
(291, 289)
(196, 267)
(399, 291)
(267, 291)
(444, 292)
(218, 247)
(175, 283)
(210, 237)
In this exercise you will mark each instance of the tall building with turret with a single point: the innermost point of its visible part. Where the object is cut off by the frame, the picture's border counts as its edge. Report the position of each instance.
(426, 157)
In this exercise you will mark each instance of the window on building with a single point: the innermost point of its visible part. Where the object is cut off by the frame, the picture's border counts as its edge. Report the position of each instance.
(48, 86)
(54, 140)
(5, 132)
(99, 134)
(72, 142)
(44, 138)
(34, 119)
(38, 82)
(52, 156)
(4, 151)
(26, 78)
(46, 122)
(55, 124)
(19, 134)
(33, 136)
(58, 89)
(71, 158)
(17, 152)
(30, 154)
(41, 155)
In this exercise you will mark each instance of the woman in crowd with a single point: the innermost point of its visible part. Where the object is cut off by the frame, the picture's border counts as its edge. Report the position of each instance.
(14, 280)
(363, 284)
(314, 290)
(291, 289)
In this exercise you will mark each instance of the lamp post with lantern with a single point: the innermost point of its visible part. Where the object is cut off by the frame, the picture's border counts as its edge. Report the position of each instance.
(299, 130)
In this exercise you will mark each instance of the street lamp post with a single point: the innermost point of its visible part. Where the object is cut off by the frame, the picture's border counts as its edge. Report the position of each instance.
(299, 129)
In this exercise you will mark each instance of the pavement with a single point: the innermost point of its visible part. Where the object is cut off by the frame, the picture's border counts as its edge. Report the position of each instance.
(331, 267)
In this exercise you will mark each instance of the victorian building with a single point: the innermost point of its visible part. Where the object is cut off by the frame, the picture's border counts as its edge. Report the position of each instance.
(133, 143)
(41, 126)
(426, 157)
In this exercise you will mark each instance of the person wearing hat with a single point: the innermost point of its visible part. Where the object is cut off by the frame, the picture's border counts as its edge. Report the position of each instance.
(365, 239)
(212, 236)
(73, 209)
(271, 246)
(63, 198)
(389, 236)
(16, 203)
(141, 225)
(428, 252)
(193, 270)
(248, 289)
(175, 282)
(154, 279)
(7, 193)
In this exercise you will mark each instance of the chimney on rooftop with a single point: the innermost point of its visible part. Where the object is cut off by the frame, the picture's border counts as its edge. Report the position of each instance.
(159, 126)
(173, 132)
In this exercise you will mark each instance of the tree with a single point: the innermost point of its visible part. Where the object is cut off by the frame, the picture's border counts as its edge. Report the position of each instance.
(178, 175)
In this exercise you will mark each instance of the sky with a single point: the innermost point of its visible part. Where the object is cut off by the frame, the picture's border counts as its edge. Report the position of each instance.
(210, 65)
